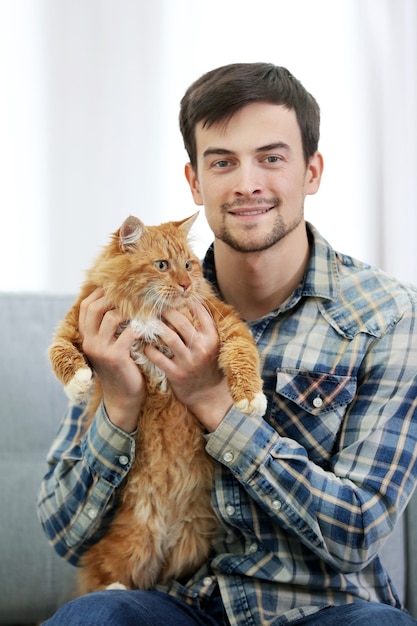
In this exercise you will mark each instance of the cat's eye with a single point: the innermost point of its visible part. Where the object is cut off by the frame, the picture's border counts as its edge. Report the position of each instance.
(188, 265)
(162, 266)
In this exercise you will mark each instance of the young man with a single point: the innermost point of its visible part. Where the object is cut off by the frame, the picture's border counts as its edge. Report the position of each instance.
(308, 494)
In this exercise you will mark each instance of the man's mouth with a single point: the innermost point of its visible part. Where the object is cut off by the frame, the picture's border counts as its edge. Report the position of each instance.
(250, 212)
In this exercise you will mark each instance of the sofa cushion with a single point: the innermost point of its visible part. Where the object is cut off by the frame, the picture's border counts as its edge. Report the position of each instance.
(34, 581)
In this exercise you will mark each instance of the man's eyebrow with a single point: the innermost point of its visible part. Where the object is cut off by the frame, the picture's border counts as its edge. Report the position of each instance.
(277, 145)
(211, 151)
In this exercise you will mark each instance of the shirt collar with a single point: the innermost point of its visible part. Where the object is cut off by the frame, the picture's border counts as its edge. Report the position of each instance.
(321, 279)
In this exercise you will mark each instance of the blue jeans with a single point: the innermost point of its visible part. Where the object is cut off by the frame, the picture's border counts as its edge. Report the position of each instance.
(136, 608)
(153, 608)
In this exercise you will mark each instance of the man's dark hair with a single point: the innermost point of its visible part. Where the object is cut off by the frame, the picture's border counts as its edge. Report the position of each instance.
(219, 94)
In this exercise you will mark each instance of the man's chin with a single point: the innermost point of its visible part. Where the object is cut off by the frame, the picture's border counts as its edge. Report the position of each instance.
(251, 240)
(247, 247)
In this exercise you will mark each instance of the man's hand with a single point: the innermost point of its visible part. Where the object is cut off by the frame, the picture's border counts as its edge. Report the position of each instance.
(123, 385)
(193, 371)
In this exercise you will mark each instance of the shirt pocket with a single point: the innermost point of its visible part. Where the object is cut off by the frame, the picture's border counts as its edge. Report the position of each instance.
(309, 408)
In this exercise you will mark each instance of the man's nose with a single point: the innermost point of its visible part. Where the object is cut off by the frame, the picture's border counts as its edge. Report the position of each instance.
(247, 180)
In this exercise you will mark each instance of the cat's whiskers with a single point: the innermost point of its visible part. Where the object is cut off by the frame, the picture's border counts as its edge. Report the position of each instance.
(159, 305)
(201, 300)
(194, 299)
(216, 309)
(155, 302)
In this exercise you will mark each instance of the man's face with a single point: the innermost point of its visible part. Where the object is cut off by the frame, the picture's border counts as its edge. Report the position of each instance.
(252, 177)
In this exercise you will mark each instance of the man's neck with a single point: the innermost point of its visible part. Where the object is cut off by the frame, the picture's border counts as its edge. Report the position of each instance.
(259, 282)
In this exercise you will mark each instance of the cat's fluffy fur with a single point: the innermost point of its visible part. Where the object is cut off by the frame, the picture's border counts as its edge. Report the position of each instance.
(164, 520)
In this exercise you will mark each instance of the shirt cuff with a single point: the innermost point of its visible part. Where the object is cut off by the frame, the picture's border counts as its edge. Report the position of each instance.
(108, 450)
(241, 443)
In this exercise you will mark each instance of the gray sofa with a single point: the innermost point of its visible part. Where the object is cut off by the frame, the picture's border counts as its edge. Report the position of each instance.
(33, 580)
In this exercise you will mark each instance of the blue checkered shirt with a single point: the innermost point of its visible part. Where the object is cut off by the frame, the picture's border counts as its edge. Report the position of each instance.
(306, 495)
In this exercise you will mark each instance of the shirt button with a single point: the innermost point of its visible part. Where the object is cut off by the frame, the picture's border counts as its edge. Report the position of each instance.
(276, 505)
(92, 513)
(230, 509)
(228, 457)
(123, 459)
(317, 402)
(253, 548)
(207, 581)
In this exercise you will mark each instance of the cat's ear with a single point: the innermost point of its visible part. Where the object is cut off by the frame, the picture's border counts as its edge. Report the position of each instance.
(130, 232)
(186, 224)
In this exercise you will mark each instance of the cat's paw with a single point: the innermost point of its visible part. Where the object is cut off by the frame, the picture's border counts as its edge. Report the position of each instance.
(256, 406)
(116, 586)
(79, 385)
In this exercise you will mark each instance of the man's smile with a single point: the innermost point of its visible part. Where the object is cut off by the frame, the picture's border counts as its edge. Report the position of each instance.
(249, 212)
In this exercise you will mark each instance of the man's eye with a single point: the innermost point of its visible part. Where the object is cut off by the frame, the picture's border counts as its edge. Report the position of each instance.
(163, 266)
(221, 164)
(273, 158)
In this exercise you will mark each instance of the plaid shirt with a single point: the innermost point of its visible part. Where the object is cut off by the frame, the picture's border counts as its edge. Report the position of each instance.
(306, 495)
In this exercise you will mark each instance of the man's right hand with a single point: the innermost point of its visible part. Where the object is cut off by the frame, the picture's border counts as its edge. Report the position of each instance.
(123, 385)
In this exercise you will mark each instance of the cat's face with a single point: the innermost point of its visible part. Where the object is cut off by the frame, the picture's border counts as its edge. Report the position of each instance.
(152, 268)
(160, 275)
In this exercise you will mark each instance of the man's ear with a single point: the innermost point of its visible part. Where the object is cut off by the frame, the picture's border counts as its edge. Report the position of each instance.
(192, 180)
(313, 173)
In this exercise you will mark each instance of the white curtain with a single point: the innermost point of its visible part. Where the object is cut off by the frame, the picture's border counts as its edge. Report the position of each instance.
(89, 131)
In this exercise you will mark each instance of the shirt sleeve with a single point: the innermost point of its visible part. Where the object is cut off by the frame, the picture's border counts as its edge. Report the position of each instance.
(77, 495)
(345, 511)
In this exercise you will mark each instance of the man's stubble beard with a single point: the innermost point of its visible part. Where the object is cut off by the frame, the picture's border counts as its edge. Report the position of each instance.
(279, 231)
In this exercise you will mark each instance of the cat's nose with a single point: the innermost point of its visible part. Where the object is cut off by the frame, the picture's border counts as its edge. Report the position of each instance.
(185, 285)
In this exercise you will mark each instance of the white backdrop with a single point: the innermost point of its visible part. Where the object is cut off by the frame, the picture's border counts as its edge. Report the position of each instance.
(89, 99)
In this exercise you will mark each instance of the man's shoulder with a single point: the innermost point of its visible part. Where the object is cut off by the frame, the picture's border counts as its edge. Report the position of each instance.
(367, 276)
(369, 299)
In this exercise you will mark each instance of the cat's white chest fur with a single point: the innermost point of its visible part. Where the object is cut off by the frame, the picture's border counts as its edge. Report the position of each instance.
(149, 331)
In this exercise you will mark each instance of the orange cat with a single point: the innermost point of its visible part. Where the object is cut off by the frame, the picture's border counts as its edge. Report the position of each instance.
(164, 520)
